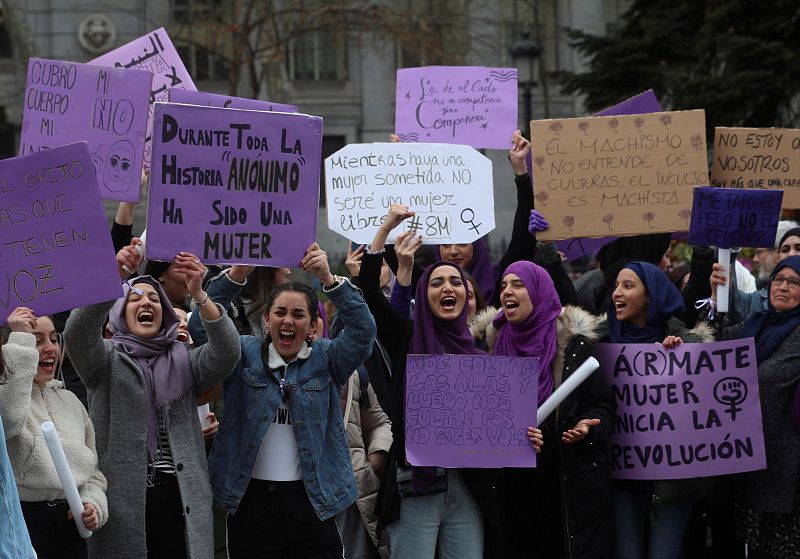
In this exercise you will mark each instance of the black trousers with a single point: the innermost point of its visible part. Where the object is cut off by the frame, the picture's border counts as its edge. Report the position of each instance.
(164, 522)
(275, 520)
(53, 535)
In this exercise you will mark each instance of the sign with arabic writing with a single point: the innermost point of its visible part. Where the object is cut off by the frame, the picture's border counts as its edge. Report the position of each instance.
(68, 102)
(155, 53)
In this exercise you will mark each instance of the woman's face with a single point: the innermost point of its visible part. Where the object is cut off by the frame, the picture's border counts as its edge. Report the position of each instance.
(282, 275)
(183, 325)
(457, 254)
(447, 293)
(472, 302)
(789, 247)
(174, 284)
(289, 322)
(784, 291)
(630, 298)
(143, 312)
(515, 299)
(386, 274)
(47, 346)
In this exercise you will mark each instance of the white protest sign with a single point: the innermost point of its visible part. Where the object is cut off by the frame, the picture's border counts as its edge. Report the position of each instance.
(449, 186)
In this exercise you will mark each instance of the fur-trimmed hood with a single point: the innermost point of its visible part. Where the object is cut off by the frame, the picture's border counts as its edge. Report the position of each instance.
(573, 321)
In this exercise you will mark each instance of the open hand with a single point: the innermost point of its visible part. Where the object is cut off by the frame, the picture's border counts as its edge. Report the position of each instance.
(578, 432)
(536, 438)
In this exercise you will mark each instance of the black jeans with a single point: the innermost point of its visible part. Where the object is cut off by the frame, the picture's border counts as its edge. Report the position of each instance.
(275, 520)
(53, 535)
(164, 522)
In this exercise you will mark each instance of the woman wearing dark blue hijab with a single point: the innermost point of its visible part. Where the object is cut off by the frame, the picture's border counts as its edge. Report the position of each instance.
(768, 508)
(651, 516)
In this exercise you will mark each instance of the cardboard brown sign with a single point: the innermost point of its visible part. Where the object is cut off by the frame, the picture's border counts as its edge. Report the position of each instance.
(618, 175)
(758, 158)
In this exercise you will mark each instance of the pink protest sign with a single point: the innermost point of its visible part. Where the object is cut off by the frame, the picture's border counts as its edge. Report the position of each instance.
(689, 412)
(54, 241)
(66, 102)
(469, 105)
(226, 101)
(470, 411)
(643, 103)
(155, 53)
(233, 186)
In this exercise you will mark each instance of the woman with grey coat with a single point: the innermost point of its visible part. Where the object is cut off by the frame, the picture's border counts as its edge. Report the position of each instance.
(141, 385)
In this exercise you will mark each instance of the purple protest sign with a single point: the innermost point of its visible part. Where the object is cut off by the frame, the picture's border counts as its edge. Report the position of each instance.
(470, 411)
(66, 102)
(54, 241)
(233, 186)
(734, 217)
(226, 101)
(155, 53)
(643, 103)
(469, 105)
(689, 412)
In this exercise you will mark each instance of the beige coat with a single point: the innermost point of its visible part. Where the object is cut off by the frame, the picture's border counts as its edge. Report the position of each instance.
(368, 430)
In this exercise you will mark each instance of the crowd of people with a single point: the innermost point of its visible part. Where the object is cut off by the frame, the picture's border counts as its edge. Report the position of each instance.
(307, 459)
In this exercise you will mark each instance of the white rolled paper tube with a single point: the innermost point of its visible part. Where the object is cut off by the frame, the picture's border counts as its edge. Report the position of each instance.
(202, 411)
(65, 476)
(567, 387)
(723, 291)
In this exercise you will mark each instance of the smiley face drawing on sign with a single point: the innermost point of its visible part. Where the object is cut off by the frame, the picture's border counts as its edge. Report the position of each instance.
(118, 166)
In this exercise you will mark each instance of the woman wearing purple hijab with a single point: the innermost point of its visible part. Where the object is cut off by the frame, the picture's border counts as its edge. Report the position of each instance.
(142, 385)
(568, 496)
(425, 509)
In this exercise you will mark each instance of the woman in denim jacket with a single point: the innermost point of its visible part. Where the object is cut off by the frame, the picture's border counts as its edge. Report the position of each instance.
(280, 465)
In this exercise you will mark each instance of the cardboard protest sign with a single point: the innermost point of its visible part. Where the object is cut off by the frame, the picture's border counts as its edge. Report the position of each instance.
(470, 411)
(689, 412)
(226, 101)
(449, 186)
(54, 241)
(728, 217)
(758, 158)
(644, 102)
(619, 175)
(232, 186)
(66, 102)
(155, 53)
(469, 105)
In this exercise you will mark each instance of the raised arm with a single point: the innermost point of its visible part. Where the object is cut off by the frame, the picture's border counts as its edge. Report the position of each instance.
(84, 343)
(21, 361)
(222, 289)
(354, 344)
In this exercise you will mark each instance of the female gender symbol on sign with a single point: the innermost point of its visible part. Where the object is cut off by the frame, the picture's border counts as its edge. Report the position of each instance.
(730, 392)
(470, 219)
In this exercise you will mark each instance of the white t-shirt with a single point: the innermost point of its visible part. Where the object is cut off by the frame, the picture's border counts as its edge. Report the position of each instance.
(278, 458)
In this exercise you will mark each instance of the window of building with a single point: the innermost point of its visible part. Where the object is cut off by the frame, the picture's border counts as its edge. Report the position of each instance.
(319, 55)
(202, 63)
(187, 11)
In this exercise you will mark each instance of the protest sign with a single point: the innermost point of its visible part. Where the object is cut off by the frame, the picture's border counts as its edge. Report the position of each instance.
(226, 101)
(469, 105)
(470, 411)
(758, 158)
(644, 102)
(692, 411)
(66, 102)
(155, 53)
(618, 175)
(233, 186)
(728, 217)
(54, 241)
(449, 186)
